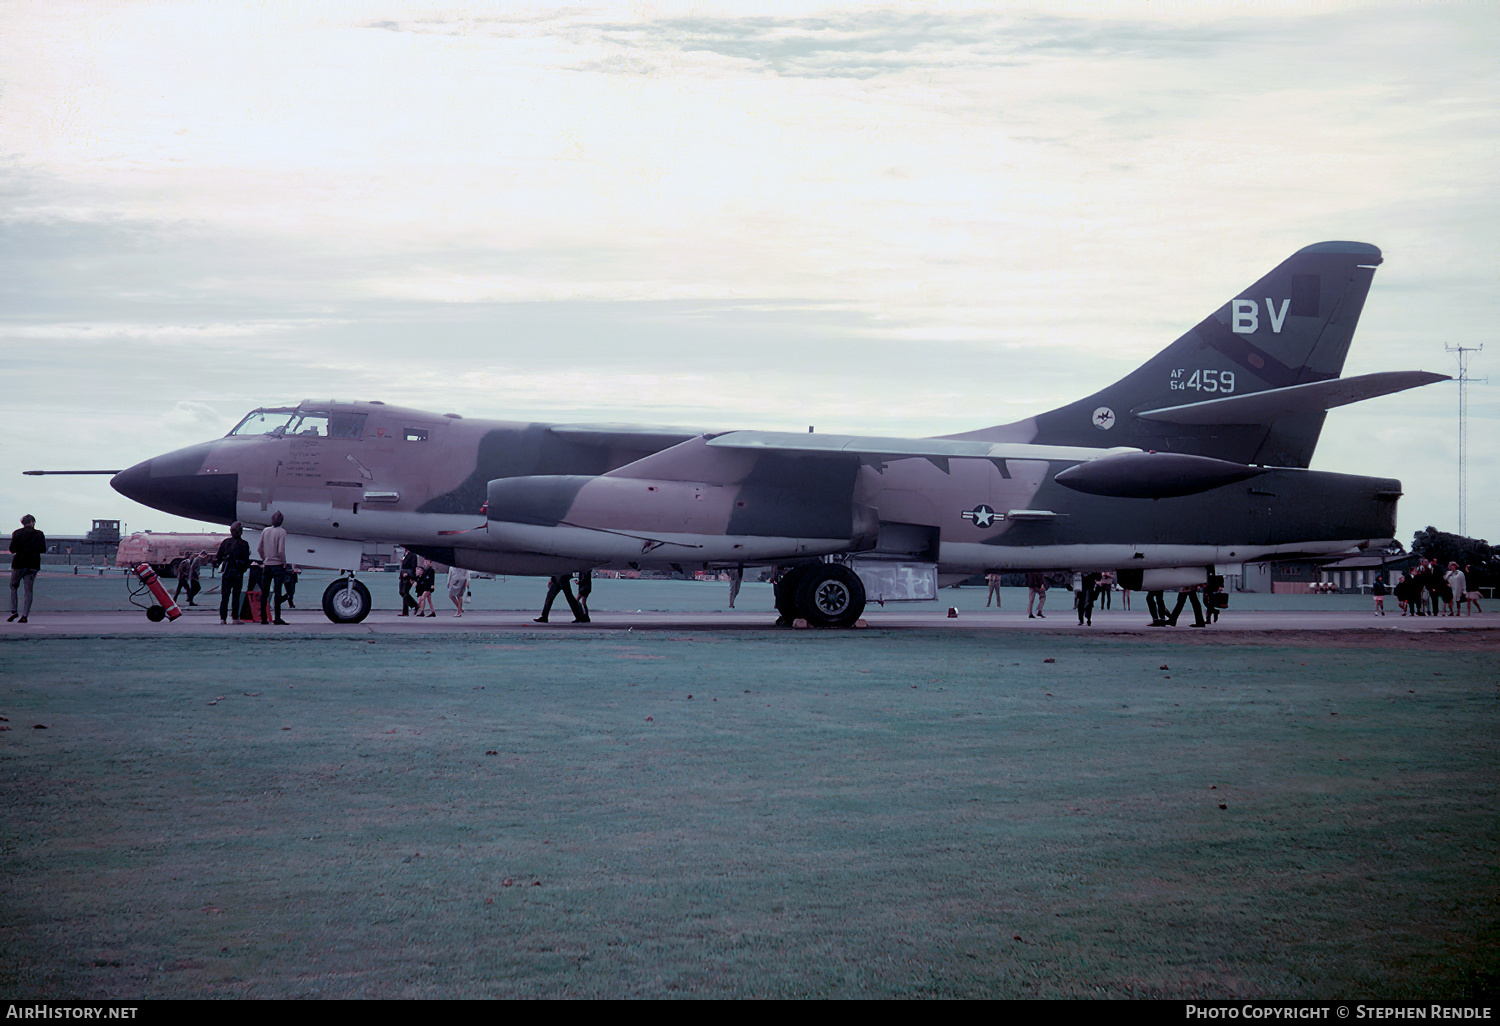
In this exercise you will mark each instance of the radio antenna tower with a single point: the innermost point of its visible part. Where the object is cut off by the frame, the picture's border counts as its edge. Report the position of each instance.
(1462, 353)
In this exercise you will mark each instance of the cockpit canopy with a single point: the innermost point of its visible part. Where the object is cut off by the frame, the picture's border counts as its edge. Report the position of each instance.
(300, 422)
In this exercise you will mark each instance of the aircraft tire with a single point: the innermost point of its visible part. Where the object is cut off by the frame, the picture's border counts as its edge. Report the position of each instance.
(346, 601)
(830, 595)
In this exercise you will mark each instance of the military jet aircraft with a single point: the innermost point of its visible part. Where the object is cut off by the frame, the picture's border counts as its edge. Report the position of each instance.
(1199, 457)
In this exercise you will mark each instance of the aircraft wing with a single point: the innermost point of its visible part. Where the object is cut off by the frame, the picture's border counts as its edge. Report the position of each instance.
(623, 436)
(1314, 397)
(879, 450)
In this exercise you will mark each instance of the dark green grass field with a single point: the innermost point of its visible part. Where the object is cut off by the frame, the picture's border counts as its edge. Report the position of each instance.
(913, 814)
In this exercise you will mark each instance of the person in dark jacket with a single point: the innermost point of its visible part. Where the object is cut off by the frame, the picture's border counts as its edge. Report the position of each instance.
(289, 585)
(1088, 587)
(408, 578)
(1184, 595)
(562, 583)
(585, 588)
(232, 560)
(26, 547)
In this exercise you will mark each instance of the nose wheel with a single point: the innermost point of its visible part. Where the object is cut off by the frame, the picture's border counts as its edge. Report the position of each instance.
(346, 601)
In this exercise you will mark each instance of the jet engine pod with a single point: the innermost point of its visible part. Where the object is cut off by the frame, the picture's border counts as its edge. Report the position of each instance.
(1153, 475)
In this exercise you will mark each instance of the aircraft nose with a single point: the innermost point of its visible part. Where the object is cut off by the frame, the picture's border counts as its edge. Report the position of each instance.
(176, 483)
(134, 483)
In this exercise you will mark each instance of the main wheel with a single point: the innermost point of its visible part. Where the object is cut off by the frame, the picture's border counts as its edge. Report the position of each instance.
(346, 601)
(830, 595)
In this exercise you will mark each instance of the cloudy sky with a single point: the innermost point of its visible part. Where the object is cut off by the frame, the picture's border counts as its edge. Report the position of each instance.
(904, 219)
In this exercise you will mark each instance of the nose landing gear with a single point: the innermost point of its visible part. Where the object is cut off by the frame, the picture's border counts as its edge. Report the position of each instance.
(346, 601)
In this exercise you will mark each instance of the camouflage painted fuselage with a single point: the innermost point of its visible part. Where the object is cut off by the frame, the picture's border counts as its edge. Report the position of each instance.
(563, 498)
(1197, 457)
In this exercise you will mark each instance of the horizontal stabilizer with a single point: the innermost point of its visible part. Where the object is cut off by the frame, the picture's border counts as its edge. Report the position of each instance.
(903, 448)
(1314, 397)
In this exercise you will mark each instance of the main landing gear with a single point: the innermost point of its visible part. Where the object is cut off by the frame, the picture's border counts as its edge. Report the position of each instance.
(823, 594)
(346, 601)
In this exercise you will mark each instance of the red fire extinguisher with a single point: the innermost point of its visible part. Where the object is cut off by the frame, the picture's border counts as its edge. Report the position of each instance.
(165, 605)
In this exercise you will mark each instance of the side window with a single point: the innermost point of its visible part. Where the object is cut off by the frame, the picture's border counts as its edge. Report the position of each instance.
(413, 434)
(346, 425)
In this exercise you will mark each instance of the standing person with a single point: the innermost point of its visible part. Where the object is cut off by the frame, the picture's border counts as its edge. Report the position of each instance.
(26, 547)
(1416, 591)
(292, 573)
(1106, 585)
(458, 583)
(993, 580)
(1434, 584)
(736, 578)
(560, 583)
(1088, 584)
(585, 588)
(1472, 595)
(408, 578)
(1456, 586)
(1377, 591)
(1036, 592)
(232, 559)
(273, 570)
(1400, 590)
(426, 585)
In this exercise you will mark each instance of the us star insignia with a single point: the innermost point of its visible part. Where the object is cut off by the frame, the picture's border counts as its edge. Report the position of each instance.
(982, 516)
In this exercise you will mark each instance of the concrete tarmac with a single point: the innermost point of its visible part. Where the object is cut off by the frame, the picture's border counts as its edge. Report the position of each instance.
(1240, 626)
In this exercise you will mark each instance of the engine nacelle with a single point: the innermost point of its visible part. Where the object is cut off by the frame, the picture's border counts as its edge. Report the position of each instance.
(1153, 475)
(638, 520)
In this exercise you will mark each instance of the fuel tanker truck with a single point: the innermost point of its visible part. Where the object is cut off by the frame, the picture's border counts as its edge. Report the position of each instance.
(164, 551)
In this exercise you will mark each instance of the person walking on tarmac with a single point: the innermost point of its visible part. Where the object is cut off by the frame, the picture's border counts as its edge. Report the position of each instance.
(408, 578)
(232, 560)
(184, 565)
(585, 588)
(1156, 605)
(26, 547)
(273, 557)
(560, 583)
(1183, 595)
(426, 584)
(1036, 592)
(1087, 587)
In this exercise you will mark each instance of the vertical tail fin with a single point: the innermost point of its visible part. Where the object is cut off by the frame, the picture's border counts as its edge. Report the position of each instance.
(1291, 327)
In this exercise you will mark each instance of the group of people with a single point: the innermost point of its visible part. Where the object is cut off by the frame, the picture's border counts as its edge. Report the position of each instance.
(190, 569)
(420, 576)
(271, 579)
(1096, 588)
(1425, 590)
